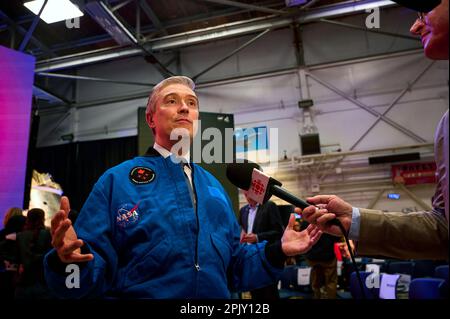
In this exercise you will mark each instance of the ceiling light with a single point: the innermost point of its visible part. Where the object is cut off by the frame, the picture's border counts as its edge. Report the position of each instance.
(55, 10)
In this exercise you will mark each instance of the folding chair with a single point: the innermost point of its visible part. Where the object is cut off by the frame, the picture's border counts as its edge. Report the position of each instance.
(401, 267)
(441, 272)
(355, 290)
(427, 288)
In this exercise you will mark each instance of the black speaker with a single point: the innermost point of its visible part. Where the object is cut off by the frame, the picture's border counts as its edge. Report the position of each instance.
(394, 158)
(310, 144)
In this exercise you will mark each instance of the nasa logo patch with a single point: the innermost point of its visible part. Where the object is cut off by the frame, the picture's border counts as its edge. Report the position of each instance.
(142, 175)
(127, 215)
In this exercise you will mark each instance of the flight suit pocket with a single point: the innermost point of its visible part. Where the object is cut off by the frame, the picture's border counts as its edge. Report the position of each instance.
(151, 265)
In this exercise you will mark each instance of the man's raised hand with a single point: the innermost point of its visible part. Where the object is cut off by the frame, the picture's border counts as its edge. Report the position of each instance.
(64, 237)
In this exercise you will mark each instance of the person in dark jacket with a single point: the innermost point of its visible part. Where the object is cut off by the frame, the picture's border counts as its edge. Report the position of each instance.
(261, 223)
(8, 255)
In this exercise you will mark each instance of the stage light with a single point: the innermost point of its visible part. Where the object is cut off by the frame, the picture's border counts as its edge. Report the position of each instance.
(55, 10)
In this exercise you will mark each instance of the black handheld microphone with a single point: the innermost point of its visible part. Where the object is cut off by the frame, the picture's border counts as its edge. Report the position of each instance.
(248, 176)
(261, 187)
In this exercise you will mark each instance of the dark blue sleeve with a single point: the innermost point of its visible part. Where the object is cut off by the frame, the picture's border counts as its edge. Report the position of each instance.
(94, 227)
(249, 268)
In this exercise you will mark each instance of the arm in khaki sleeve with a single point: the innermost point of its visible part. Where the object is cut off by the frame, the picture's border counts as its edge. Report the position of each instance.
(418, 235)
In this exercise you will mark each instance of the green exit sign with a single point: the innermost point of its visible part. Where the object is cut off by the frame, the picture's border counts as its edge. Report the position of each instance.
(303, 104)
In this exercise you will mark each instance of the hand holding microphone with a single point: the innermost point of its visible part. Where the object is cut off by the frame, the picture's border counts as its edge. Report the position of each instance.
(247, 176)
(331, 214)
(261, 187)
(331, 208)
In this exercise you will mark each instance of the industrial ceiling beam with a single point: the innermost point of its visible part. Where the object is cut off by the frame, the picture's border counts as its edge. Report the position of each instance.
(33, 26)
(378, 115)
(144, 29)
(151, 28)
(376, 31)
(78, 60)
(200, 85)
(214, 34)
(322, 156)
(22, 31)
(246, 44)
(222, 13)
(55, 98)
(90, 78)
(138, 22)
(152, 16)
(391, 105)
(98, 10)
(298, 45)
(75, 44)
(20, 21)
(120, 5)
(246, 6)
(307, 5)
(110, 22)
(395, 101)
(262, 75)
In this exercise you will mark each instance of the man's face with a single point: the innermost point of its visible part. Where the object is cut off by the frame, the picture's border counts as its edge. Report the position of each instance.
(433, 31)
(249, 200)
(176, 107)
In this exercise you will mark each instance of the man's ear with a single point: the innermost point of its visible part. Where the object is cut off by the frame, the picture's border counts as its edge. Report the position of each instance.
(150, 121)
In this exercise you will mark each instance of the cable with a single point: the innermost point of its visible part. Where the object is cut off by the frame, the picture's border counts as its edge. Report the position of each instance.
(361, 286)
(337, 222)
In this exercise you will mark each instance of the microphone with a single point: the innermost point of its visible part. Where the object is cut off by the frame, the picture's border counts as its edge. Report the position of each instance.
(248, 176)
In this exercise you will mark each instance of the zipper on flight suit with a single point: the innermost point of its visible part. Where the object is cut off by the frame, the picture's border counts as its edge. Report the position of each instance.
(197, 266)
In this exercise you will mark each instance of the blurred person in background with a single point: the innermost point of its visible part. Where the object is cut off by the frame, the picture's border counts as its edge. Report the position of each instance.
(261, 223)
(14, 223)
(32, 245)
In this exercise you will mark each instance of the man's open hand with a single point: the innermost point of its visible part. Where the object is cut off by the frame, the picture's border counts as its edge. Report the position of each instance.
(64, 237)
(295, 243)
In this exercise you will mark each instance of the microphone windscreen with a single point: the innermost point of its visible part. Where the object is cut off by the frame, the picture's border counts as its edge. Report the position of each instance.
(240, 174)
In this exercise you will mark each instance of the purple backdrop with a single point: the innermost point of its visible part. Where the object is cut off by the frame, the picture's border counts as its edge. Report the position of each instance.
(16, 86)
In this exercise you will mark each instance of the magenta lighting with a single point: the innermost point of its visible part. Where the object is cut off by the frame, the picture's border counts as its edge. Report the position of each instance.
(16, 85)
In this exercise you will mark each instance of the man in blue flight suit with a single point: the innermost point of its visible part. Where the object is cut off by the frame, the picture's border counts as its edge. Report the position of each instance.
(153, 227)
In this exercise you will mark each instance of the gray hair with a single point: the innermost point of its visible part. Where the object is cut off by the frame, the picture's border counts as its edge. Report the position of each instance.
(151, 104)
